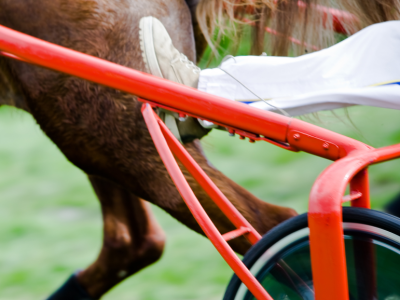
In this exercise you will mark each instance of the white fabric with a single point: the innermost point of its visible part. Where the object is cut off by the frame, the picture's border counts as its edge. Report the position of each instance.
(364, 69)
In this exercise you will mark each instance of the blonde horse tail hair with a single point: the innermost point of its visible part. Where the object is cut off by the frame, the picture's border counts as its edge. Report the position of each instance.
(294, 26)
(373, 11)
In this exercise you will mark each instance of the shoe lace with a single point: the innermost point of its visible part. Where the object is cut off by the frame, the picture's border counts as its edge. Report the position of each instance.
(189, 64)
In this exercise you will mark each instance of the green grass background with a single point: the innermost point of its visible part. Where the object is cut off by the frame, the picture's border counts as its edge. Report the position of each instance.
(50, 222)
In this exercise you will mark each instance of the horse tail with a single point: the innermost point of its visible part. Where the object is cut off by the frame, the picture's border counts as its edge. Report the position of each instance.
(284, 27)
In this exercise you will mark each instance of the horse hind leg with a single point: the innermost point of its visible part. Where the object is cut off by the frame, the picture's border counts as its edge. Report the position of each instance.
(132, 240)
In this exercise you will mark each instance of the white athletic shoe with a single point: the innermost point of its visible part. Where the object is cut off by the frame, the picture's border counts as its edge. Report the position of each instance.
(162, 59)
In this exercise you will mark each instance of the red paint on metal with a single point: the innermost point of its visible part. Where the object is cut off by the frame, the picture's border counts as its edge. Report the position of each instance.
(160, 91)
(325, 220)
(197, 210)
(353, 196)
(235, 233)
(186, 100)
(316, 137)
(327, 246)
(360, 184)
(9, 55)
(255, 137)
(321, 147)
(208, 185)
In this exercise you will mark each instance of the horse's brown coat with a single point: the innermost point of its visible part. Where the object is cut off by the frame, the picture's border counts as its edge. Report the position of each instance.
(102, 131)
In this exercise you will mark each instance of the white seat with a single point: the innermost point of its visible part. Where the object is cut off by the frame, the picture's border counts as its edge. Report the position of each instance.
(385, 96)
(364, 69)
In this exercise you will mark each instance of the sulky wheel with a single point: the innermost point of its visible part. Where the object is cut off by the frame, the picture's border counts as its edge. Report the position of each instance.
(281, 259)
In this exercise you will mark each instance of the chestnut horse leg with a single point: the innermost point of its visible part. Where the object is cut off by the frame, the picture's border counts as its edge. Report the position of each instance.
(132, 240)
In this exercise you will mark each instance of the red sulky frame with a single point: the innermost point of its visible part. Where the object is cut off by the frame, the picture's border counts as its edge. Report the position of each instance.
(325, 219)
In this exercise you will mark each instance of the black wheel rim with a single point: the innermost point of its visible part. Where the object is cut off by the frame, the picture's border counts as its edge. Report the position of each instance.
(373, 273)
(359, 217)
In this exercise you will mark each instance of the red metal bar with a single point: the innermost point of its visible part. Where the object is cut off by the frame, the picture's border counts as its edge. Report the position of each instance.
(197, 210)
(173, 95)
(360, 184)
(185, 99)
(325, 220)
(208, 185)
(235, 233)
(9, 55)
(327, 245)
(321, 142)
(353, 196)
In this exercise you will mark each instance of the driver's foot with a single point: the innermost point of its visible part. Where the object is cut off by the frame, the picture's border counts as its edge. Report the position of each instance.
(162, 59)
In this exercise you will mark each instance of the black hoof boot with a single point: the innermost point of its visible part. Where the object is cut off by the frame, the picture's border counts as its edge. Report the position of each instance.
(70, 290)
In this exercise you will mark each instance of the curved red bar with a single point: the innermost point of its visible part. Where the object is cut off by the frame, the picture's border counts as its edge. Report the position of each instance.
(327, 245)
(325, 220)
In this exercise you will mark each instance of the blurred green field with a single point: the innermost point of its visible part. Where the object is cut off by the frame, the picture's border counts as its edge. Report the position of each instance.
(50, 223)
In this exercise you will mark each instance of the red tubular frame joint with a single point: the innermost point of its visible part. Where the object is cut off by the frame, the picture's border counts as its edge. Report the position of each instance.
(197, 210)
(327, 245)
(235, 233)
(325, 218)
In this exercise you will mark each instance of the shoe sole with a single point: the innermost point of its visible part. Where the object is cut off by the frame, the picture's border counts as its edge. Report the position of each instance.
(147, 46)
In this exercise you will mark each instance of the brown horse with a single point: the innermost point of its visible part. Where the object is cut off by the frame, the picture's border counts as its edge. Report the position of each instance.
(101, 130)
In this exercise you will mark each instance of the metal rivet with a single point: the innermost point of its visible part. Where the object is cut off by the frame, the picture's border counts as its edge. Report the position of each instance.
(296, 136)
(325, 146)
